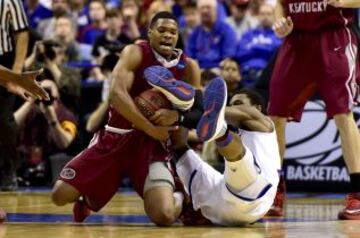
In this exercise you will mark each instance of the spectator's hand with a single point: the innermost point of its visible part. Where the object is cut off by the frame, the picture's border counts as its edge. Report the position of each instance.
(335, 3)
(129, 14)
(165, 117)
(283, 27)
(161, 133)
(49, 113)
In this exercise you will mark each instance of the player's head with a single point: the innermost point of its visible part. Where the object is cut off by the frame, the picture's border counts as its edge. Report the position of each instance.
(163, 33)
(248, 97)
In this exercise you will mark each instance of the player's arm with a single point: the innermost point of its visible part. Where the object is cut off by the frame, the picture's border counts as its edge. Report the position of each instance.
(250, 117)
(283, 24)
(123, 79)
(344, 3)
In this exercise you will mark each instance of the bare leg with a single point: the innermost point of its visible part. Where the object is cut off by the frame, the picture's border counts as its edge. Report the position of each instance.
(280, 125)
(63, 193)
(350, 141)
(161, 205)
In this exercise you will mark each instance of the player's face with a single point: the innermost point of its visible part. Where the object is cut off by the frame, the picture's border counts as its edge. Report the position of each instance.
(163, 36)
(240, 99)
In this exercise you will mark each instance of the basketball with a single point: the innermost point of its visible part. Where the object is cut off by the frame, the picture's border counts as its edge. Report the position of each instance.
(150, 101)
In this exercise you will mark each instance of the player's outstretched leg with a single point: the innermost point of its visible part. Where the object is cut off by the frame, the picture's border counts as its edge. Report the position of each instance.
(212, 124)
(179, 93)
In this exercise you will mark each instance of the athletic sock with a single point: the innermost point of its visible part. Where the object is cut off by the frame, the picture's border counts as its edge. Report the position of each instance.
(225, 139)
(355, 182)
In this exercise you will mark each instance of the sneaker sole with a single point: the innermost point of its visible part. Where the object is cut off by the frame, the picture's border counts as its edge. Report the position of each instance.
(178, 92)
(214, 103)
(343, 215)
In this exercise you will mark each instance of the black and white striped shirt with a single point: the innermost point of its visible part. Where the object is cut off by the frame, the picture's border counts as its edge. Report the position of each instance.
(12, 19)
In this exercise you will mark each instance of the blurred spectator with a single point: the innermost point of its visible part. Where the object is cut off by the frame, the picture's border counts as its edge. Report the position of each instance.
(257, 46)
(213, 40)
(46, 28)
(191, 18)
(65, 34)
(240, 19)
(51, 54)
(48, 127)
(131, 15)
(114, 40)
(36, 12)
(98, 23)
(97, 119)
(178, 7)
(206, 76)
(80, 13)
(230, 71)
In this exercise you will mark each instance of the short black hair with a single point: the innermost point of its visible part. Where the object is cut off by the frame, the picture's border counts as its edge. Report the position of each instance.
(162, 15)
(254, 97)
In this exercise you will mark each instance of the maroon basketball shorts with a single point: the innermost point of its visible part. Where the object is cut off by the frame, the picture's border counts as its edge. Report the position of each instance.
(98, 170)
(320, 61)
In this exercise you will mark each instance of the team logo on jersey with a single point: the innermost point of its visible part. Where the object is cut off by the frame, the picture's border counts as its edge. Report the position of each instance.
(315, 141)
(181, 65)
(68, 173)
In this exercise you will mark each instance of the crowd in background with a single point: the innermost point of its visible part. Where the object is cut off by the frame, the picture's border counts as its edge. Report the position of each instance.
(78, 43)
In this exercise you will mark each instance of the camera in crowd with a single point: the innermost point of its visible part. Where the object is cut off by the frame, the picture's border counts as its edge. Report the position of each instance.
(48, 102)
(49, 52)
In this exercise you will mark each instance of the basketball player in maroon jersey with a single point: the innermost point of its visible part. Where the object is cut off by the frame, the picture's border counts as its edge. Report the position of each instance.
(130, 144)
(319, 53)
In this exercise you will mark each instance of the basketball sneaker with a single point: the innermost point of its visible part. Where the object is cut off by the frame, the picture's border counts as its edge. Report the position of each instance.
(277, 208)
(80, 210)
(352, 207)
(179, 93)
(212, 124)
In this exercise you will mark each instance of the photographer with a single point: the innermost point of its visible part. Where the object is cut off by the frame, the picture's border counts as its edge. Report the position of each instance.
(114, 40)
(51, 54)
(46, 127)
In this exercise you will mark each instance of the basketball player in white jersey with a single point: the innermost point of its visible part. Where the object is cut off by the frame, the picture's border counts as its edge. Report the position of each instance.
(246, 190)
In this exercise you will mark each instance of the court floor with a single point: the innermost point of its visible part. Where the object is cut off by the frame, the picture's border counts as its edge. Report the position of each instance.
(31, 215)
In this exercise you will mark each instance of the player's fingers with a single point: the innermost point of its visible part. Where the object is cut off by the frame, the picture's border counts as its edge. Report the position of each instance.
(155, 117)
(289, 22)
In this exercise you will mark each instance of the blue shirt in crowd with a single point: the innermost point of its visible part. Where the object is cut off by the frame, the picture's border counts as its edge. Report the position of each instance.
(40, 13)
(255, 48)
(211, 47)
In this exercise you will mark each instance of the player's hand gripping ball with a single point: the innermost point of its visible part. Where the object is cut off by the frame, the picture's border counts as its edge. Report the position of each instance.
(149, 101)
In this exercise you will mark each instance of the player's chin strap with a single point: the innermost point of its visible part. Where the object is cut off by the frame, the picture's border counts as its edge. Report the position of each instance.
(191, 117)
(171, 63)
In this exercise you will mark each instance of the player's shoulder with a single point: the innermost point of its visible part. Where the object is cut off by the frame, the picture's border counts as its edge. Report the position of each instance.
(132, 53)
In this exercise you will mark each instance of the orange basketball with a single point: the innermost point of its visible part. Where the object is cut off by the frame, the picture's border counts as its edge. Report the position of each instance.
(150, 101)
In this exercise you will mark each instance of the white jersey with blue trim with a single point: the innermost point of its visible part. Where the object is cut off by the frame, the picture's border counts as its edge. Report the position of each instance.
(213, 193)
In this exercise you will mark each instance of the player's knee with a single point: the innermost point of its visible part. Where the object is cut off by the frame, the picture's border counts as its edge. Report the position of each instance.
(163, 217)
(63, 193)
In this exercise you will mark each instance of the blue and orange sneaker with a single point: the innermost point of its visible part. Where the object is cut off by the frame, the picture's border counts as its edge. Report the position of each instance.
(179, 93)
(212, 124)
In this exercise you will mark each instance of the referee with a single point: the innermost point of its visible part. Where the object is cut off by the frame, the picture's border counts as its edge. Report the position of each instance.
(13, 48)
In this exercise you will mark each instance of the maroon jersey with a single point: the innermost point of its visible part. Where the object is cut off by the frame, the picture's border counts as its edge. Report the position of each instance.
(314, 15)
(140, 85)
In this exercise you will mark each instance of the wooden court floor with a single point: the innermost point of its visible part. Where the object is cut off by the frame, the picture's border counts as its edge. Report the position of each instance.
(31, 215)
